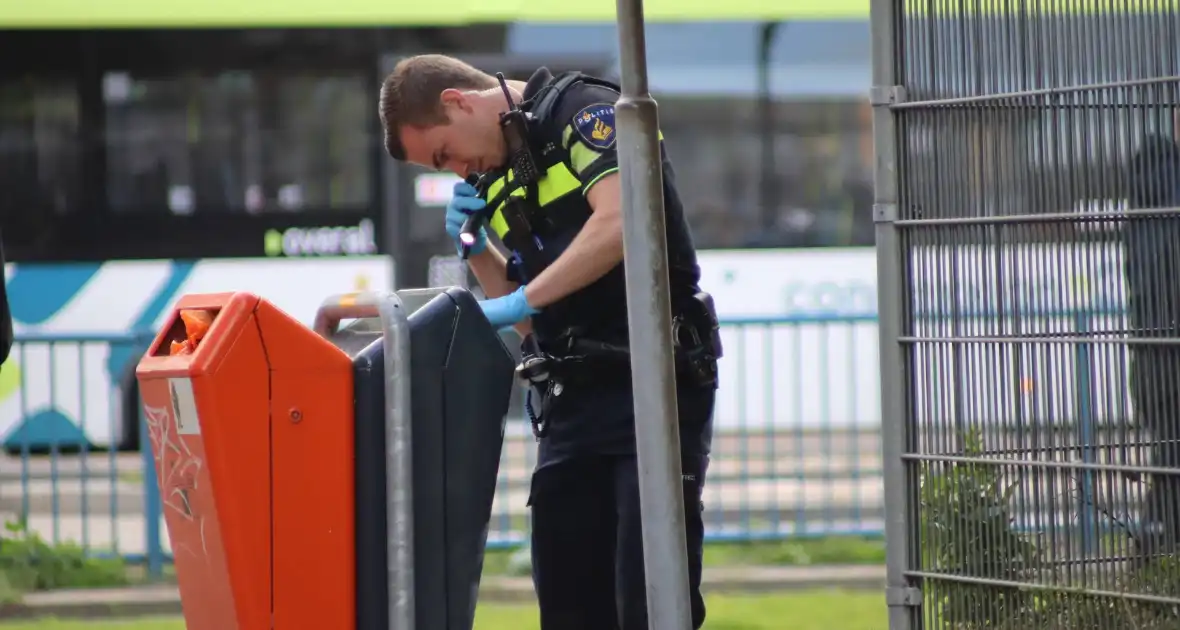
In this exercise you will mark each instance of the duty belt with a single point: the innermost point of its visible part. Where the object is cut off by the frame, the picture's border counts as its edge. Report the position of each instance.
(582, 360)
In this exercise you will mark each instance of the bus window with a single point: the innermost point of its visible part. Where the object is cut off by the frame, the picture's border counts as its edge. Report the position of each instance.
(39, 149)
(822, 187)
(320, 143)
(238, 141)
(180, 144)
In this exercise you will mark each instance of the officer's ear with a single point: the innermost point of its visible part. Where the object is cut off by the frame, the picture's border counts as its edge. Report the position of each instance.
(453, 99)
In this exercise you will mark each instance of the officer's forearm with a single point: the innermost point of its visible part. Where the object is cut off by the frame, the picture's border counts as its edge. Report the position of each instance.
(490, 269)
(596, 249)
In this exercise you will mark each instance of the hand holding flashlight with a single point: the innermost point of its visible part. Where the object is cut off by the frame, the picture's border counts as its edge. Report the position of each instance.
(473, 227)
(465, 220)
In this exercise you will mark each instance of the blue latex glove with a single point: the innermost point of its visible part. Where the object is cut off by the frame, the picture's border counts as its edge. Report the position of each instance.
(462, 204)
(508, 310)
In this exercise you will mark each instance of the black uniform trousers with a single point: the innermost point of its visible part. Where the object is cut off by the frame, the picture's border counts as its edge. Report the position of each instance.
(587, 539)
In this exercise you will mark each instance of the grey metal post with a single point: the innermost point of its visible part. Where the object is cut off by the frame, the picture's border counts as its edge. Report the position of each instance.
(768, 177)
(890, 295)
(653, 375)
(393, 314)
(400, 467)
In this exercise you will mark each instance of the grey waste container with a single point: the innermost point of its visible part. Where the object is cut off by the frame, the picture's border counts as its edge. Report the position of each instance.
(420, 540)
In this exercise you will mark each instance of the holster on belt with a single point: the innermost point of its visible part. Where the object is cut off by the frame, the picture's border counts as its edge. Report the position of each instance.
(696, 344)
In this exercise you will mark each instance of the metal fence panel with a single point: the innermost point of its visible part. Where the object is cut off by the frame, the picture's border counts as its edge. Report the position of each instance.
(796, 451)
(73, 492)
(1028, 208)
(796, 443)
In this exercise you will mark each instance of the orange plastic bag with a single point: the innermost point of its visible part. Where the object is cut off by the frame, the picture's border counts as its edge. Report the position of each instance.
(196, 326)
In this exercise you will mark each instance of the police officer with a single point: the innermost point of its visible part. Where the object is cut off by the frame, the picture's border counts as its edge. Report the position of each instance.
(562, 286)
(554, 202)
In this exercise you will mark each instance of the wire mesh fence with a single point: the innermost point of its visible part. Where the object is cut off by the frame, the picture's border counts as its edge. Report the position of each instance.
(1028, 208)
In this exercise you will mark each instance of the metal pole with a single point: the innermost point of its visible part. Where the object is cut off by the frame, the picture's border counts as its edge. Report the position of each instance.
(151, 500)
(768, 182)
(902, 599)
(649, 314)
(399, 469)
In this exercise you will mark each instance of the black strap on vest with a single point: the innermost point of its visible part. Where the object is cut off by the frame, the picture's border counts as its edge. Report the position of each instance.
(551, 94)
(539, 109)
(542, 108)
(524, 219)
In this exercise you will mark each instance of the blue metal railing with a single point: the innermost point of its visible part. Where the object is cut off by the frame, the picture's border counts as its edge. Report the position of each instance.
(795, 454)
(56, 391)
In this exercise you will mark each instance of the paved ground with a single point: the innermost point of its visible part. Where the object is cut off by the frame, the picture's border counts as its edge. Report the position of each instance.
(156, 600)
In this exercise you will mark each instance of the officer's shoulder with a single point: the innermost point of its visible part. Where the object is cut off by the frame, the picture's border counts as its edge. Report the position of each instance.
(580, 96)
(589, 110)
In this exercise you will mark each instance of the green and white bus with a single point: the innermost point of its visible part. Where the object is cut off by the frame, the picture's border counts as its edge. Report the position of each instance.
(150, 148)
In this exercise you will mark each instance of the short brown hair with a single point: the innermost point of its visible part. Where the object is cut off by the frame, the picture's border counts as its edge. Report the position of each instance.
(410, 94)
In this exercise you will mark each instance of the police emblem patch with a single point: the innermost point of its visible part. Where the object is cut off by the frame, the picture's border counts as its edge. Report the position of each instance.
(596, 125)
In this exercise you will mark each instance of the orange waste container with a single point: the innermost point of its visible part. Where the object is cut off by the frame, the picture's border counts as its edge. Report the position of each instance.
(251, 421)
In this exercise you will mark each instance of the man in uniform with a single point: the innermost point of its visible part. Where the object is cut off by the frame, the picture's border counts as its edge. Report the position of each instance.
(562, 286)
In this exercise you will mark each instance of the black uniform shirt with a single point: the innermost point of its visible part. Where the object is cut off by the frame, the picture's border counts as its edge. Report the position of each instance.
(599, 418)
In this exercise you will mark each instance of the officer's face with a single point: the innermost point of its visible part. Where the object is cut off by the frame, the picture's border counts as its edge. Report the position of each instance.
(470, 143)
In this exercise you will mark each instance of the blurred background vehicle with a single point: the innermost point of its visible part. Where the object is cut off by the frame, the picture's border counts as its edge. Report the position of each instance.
(148, 151)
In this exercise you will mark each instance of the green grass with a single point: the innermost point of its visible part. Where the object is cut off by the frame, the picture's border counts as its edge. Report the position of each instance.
(801, 552)
(796, 552)
(811, 610)
(815, 610)
(130, 476)
(154, 623)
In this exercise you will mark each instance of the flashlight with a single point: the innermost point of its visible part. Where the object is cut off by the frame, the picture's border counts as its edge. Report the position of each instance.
(471, 227)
